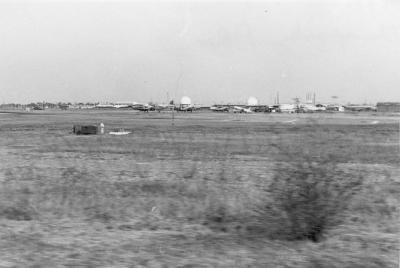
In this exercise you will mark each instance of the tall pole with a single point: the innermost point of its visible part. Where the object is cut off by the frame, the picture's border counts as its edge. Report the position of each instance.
(173, 108)
(173, 115)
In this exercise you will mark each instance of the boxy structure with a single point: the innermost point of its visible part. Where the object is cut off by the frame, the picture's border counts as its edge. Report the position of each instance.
(85, 129)
(388, 107)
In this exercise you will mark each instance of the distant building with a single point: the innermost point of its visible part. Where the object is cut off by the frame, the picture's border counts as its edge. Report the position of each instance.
(388, 107)
(287, 108)
(359, 108)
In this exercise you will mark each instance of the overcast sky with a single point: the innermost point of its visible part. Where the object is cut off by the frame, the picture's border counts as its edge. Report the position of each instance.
(214, 52)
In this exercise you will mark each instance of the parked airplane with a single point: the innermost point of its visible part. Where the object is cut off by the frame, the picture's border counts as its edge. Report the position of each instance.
(124, 104)
(104, 106)
(121, 106)
(117, 105)
(188, 108)
(219, 108)
(238, 109)
(162, 107)
(143, 107)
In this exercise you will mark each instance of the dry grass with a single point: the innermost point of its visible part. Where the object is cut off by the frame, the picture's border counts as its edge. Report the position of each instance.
(208, 192)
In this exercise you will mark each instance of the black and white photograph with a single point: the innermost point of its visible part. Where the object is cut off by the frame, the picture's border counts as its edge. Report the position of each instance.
(217, 133)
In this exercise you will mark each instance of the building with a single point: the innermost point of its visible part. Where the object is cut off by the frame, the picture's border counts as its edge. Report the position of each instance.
(359, 108)
(388, 107)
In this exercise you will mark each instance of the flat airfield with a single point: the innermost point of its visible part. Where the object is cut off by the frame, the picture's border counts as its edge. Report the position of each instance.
(147, 199)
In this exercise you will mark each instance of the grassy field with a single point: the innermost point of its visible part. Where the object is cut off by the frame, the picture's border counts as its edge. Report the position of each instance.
(211, 190)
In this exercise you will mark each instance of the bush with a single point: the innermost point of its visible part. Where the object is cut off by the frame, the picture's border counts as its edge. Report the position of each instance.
(18, 213)
(312, 195)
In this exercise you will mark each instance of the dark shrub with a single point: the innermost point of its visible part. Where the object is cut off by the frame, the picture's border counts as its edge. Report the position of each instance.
(17, 213)
(311, 195)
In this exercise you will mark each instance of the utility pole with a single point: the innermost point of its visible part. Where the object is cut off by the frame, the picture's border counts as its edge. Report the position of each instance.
(172, 104)
(173, 110)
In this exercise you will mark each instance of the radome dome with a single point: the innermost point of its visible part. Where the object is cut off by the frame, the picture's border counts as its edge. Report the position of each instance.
(252, 101)
(186, 101)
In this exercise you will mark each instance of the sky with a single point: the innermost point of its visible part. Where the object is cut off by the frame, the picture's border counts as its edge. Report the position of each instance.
(211, 51)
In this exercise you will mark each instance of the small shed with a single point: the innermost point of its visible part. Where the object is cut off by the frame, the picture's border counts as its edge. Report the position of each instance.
(85, 129)
(388, 107)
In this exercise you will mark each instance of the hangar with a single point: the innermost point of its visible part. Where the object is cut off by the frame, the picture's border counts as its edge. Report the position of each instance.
(388, 107)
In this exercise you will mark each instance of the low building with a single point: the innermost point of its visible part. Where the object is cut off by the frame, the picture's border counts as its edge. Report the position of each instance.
(388, 107)
(359, 108)
(85, 129)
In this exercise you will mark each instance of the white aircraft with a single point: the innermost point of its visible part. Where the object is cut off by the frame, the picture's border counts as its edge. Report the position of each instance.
(185, 108)
(116, 105)
(124, 104)
(120, 106)
(143, 107)
(219, 108)
(104, 106)
(238, 109)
